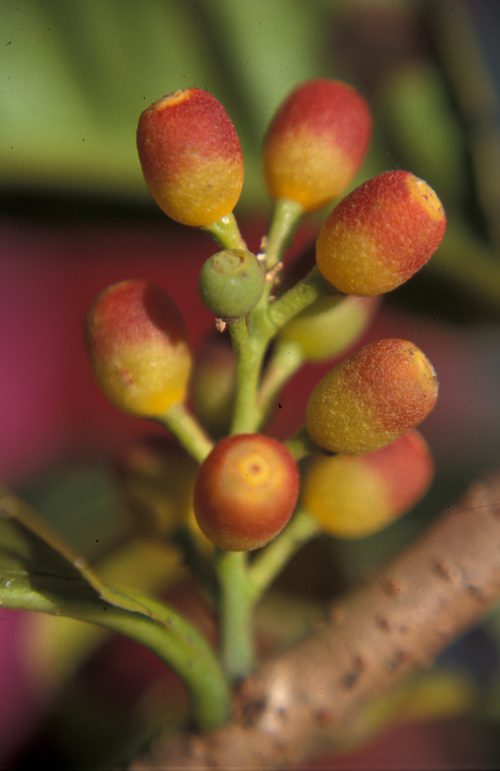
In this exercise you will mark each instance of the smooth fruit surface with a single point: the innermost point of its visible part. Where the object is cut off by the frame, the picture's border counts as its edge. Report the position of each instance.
(246, 491)
(380, 235)
(137, 348)
(371, 398)
(316, 143)
(191, 157)
(231, 282)
(353, 496)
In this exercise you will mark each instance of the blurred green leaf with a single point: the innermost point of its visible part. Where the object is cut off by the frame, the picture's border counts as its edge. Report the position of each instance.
(75, 76)
(40, 572)
(80, 501)
(418, 114)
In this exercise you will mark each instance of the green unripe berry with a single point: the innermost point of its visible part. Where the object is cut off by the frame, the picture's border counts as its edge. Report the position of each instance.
(231, 283)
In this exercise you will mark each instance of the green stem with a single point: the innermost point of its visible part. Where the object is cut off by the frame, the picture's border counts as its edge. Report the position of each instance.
(299, 297)
(235, 607)
(160, 629)
(274, 557)
(189, 655)
(226, 233)
(249, 354)
(286, 360)
(184, 426)
(286, 217)
(250, 338)
(236, 614)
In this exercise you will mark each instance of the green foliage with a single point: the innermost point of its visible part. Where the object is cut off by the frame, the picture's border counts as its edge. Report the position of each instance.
(40, 572)
(73, 87)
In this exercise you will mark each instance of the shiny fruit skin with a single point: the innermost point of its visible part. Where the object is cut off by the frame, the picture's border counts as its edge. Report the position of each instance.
(246, 491)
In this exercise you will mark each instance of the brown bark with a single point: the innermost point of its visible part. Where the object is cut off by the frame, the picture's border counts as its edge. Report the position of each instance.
(305, 701)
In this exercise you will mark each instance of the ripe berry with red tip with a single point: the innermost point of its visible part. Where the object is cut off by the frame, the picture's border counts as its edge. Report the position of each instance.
(191, 157)
(352, 496)
(246, 491)
(371, 398)
(316, 143)
(380, 234)
(137, 347)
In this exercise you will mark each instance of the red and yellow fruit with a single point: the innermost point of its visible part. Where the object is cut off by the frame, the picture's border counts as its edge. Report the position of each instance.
(246, 491)
(380, 234)
(371, 398)
(191, 157)
(137, 348)
(352, 496)
(316, 143)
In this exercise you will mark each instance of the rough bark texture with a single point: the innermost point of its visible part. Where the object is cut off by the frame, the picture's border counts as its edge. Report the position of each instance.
(304, 701)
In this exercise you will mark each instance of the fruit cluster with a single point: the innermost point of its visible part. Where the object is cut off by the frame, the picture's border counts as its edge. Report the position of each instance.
(367, 462)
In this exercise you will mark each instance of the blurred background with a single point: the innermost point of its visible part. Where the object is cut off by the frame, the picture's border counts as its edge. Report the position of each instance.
(75, 216)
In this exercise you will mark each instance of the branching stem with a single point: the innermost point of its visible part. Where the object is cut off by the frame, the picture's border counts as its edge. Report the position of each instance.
(235, 614)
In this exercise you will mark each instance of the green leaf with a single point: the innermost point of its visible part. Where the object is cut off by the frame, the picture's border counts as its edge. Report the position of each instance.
(39, 571)
(76, 75)
(81, 502)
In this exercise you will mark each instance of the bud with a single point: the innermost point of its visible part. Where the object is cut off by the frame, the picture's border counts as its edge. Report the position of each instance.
(137, 348)
(380, 234)
(231, 283)
(191, 157)
(355, 496)
(371, 398)
(316, 143)
(329, 326)
(246, 491)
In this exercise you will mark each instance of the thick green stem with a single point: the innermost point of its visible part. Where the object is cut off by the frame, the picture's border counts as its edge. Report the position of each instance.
(250, 338)
(184, 426)
(235, 614)
(226, 233)
(249, 354)
(235, 607)
(286, 217)
(274, 557)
